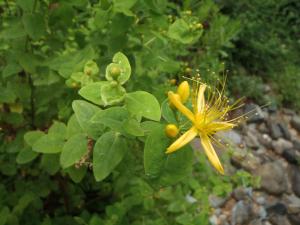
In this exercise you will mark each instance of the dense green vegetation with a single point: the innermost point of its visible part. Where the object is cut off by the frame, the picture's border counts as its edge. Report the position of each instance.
(74, 77)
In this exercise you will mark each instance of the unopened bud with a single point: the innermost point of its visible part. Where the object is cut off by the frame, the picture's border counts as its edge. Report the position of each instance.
(198, 26)
(183, 91)
(172, 81)
(171, 130)
(115, 71)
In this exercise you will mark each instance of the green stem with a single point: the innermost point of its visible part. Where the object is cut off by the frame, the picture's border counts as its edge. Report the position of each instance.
(32, 103)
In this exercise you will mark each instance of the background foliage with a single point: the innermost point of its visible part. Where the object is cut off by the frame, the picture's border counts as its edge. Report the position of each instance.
(54, 54)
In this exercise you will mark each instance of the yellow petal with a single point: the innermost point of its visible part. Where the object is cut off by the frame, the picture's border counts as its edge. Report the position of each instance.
(184, 110)
(219, 126)
(200, 98)
(210, 152)
(183, 140)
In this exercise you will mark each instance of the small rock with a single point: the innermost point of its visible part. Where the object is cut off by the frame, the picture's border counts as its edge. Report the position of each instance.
(285, 131)
(215, 201)
(258, 116)
(241, 193)
(279, 220)
(281, 144)
(293, 203)
(269, 182)
(223, 219)
(261, 200)
(231, 136)
(265, 140)
(263, 128)
(256, 222)
(241, 213)
(296, 144)
(290, 156)
(245, 160)
(218, 211)
(295, 179)
(295, 122)
(294, 219)
(278, 208)
(275, 130)
(288, 112)
(213, 220)
(251, 140)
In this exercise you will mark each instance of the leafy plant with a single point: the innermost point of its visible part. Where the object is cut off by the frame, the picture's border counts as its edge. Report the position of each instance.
(83, 86)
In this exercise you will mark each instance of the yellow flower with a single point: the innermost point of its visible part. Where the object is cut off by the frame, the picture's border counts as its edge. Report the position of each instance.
(207, 118)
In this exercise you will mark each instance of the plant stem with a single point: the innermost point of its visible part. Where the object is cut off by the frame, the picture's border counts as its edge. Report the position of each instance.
(32, 103)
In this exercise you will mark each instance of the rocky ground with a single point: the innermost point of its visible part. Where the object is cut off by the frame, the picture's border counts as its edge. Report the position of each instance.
(267, 146)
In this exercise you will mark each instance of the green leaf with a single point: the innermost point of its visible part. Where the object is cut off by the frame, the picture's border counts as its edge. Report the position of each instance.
(26, 5)
(124, 6)
(76, 174)
(108, 152)
(58, 128)
(165, 169)
(73, 127)
(120, 61)
(26, 155)
(45, 77)
(141, 103)
(32, 136)
(28, 61)
(73, 150)
(7, 95)
(67, 64)
(92, 92)
(181, 32)
(133, 127)
(154, 152)
(4, 215)
(112, 117)
(50, 163)
(101, 16)
(13, 31)
(34, 25)
(167, 113)
(23, 203)
(11, 69)
(49, 143)
(84, 111)
(112, 94)
(148, 126)
(91, 68)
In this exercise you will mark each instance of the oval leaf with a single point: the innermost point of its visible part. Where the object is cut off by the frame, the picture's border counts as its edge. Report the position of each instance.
(49, 143)
(141, 103)
(92, 92)
(73, 150)
(108, 152)
(84, 111)
(26, 155)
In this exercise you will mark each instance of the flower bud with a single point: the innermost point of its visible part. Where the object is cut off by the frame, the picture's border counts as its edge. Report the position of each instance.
(171, 130)
(172, 81)
(115, 71)
(198, 26)
(183, 91)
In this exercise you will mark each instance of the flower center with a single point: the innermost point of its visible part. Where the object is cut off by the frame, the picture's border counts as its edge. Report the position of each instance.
(200, 122)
